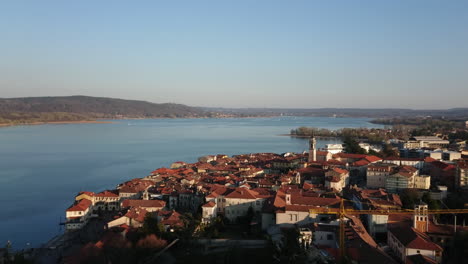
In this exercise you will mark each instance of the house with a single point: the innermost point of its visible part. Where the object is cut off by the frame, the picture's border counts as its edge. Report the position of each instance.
(402, 177)
(422, 182)
(78, 214)
(208, 211)
(235, 202)
(107, 201)
(442, 172)
(414, 162)
(366, 199)
(178, 164)
(336, 179)
(148, 205)
(170, 219)
(240, 200)
(134, 189)
(377, 174)
(294, 206)
(333, 148)
(314, 175)
(425, 142)
(407, 241)
(134, 217)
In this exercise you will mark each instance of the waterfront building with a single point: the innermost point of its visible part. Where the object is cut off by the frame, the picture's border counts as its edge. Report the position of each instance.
(78, 214)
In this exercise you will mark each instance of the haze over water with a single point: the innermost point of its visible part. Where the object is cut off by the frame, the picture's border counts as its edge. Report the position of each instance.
(43, 167)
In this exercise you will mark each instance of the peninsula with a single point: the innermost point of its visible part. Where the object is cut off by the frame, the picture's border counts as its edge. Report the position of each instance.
(275, 206)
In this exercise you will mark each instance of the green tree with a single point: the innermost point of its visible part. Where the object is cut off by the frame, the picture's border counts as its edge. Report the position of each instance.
(409, 197)
(152, 226)
(389, 151)
(352, 146)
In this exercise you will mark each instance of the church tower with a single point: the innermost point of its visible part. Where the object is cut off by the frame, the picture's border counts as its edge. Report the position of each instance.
(312, 150)
(421, 217)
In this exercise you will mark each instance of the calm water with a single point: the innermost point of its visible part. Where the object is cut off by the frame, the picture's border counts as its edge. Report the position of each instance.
(43, 167)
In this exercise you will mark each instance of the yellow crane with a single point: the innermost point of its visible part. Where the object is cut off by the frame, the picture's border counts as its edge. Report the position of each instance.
(342, 211)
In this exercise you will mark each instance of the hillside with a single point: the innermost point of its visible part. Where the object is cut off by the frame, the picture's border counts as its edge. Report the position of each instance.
(79, 108)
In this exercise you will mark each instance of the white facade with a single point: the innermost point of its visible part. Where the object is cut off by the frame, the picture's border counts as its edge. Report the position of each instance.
(422, 182)
(208, 213)
(333, 148)
(377, 224)
(238, 207)
(293, 217)
(402, 252)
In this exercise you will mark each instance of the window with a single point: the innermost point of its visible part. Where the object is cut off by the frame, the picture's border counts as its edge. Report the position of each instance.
(329, 237)
(258, 202)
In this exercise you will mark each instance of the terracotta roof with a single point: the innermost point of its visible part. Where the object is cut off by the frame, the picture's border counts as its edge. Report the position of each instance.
(143, 203)
(209, 204)
(172, 218)
(411, 238)
(298, 199)
(107, 194)
(80, 205)
(242, 193)
(349, 155)
(87, 193)
(372, 158)
(137, 213)
(339, 170)
(360, 163)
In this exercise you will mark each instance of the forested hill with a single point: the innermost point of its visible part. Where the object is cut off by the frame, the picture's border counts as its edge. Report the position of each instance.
(75, 108)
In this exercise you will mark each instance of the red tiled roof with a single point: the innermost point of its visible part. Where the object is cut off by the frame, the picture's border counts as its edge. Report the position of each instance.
(137, 213)
(209, 204)
(80, 205)
(411, 238)
(339, 170)
(372, 158)
(87, 193)
(298, 199)
(242, 193)
(143, 203)
(360, 163)
(350, 155)
(107, 194)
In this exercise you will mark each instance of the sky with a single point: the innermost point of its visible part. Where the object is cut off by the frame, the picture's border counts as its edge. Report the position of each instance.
(286, 54)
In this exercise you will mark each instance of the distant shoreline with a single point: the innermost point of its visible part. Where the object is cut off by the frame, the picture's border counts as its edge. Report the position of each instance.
(59, 123)
(303, 136)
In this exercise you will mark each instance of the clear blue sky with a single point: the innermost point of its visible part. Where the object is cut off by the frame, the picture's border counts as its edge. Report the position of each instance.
(237, 53)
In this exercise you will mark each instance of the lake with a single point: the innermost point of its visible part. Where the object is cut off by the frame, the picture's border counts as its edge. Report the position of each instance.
(43, 167)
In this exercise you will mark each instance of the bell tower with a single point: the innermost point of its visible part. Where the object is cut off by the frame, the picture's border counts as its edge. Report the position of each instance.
(312, 150)
(421, 217)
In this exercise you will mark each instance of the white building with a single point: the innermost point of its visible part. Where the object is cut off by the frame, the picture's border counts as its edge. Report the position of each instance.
(234, 203)
(422, 182)
(208, 212)
(78, 214)
(408, 241)
(336, 179)
(333, 148)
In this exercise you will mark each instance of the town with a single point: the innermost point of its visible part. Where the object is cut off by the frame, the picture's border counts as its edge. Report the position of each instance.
(324, 206)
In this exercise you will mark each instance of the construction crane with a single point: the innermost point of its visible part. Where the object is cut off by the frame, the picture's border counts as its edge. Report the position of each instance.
(342, 211)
